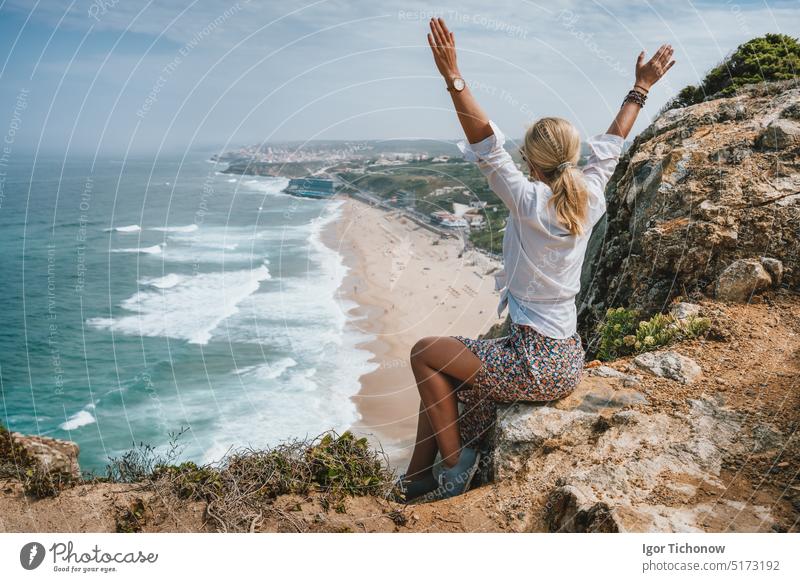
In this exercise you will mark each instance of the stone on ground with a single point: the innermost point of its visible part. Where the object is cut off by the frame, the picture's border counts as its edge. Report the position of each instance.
(775, 269)
(741, 279)
(669, 364)
(683, 310)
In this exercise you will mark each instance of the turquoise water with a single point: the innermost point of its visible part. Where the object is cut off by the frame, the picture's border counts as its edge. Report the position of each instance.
(143, 297)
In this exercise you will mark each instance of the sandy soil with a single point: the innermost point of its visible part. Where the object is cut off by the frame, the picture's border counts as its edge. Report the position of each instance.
(96, 507)
(408, 283)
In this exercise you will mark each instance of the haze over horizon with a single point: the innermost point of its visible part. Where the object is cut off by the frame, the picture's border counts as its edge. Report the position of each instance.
(109, 77)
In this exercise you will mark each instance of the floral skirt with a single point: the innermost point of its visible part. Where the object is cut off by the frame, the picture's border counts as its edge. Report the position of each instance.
(522, 366)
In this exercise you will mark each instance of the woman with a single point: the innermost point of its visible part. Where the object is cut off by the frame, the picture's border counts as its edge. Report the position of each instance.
(551, 215)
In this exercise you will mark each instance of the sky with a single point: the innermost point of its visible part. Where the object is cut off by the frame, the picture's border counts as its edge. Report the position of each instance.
(125, 76)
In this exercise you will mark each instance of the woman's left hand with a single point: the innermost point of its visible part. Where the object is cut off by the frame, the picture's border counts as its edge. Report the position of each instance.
(443, 45)
(648, 73)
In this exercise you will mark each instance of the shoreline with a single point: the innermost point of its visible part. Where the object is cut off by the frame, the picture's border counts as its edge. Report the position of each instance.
(406, 283)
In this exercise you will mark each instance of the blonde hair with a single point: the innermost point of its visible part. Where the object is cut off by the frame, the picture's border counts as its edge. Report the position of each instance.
(552, 146)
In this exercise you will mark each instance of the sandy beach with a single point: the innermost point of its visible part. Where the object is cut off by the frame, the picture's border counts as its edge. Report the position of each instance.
(408, 283)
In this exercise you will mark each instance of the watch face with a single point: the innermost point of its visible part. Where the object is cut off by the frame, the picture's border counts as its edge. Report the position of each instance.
(458, 84)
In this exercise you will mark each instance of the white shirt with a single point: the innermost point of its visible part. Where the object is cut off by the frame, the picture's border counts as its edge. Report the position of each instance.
(542, 260)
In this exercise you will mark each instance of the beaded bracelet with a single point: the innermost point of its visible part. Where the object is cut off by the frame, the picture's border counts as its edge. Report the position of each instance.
(636, 97)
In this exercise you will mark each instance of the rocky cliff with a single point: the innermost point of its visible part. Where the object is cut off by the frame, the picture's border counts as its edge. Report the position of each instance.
(701, 188)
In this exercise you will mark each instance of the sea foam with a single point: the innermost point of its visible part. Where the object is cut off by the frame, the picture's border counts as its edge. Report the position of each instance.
(303, 312)
(165, 282)
(185, 228)
(190, 309)
(153, 250)
(77, 420)
(131, 228)
(267, 185)
(267, 371)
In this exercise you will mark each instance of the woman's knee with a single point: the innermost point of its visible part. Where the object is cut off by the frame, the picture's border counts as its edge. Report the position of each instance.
(421, 349)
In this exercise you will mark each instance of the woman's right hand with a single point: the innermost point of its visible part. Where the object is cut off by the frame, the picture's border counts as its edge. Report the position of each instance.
(443, 46)
(648, 73)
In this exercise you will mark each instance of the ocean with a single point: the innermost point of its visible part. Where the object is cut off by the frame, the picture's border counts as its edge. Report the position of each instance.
(147, 296)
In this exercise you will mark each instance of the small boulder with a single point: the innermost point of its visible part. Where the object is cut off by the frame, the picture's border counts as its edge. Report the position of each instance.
(669, 364)
(780, 134)
(52, 455)
(683, 311)
(609, 372)
(741, 279)
(792, 112)
(606, 391)
(569, 509)
(775, 269)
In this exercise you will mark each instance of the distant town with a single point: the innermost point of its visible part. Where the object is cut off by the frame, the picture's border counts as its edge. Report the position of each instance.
(427, 181)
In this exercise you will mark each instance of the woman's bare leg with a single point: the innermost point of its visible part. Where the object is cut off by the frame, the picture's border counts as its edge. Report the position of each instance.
(435, 362)
(425, 448)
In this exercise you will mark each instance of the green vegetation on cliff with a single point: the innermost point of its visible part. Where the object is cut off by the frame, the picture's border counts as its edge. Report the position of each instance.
(772, 57)
(624, 332)
(239, 487)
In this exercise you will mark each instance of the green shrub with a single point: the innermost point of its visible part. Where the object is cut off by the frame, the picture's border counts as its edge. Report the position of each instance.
(772, 57)
(623, 333)
(39, 482)
(346, 465)
(618, 324)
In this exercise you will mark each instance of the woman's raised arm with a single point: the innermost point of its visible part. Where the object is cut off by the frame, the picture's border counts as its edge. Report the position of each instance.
(473, 119)
(485, 145)
(647, 74)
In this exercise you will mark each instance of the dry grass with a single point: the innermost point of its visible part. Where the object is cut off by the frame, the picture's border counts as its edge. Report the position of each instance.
(240, 488)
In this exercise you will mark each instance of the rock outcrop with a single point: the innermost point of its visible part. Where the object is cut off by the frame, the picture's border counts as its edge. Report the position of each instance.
(701, 188)
(626, 470)
(52, 455)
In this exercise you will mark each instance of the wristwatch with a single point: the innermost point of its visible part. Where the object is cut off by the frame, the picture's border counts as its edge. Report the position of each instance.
(456, 84)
